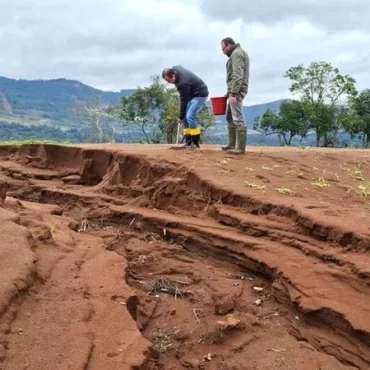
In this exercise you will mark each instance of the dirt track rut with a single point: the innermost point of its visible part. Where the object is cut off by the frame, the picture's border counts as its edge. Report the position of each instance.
(120, 250)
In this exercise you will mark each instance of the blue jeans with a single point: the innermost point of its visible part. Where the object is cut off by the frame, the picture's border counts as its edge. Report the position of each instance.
(190, 121)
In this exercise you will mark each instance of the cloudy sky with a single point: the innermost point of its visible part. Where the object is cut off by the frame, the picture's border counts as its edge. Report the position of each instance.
(114, 44)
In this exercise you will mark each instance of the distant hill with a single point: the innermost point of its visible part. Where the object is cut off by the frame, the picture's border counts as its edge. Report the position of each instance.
(53, 99)
(39, 104)
(48, 99)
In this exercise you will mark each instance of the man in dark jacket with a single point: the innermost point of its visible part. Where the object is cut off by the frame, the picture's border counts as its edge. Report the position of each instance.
(193, 94)
(237, 78)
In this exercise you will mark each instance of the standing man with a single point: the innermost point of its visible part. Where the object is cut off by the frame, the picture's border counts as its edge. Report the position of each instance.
(193, 94)
(237, 78)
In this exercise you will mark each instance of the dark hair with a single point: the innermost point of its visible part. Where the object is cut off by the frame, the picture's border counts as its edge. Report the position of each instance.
(168, 72)
(228, 41)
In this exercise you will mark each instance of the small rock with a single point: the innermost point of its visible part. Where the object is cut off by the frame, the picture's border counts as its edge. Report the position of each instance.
(173, 312)
(258, 302)
(230, 322)
(190, 363)
(122, 303)
(258, 289)
(208, 357)
(297, 318)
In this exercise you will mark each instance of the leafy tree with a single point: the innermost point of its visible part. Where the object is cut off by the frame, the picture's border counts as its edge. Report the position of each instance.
(100, 125)
(320, 87)
(170, 115)
(357, 120)
(290, 122)
(256, 122)
(141, 108)
(206, 119)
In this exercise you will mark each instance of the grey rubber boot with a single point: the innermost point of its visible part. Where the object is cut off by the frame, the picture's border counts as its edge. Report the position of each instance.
(242, 141)
(232, 139)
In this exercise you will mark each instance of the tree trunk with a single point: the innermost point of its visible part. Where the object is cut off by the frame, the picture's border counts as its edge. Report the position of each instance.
(279, 137)
(290, 139)
(285, 139)
(142, 126)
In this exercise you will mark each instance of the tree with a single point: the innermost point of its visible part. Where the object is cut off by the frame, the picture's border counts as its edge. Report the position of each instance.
(170, 115)
(206, 119)
(256, 122)
(320, 87)
(141, 108)
(357, 120)
(100, 125)
(290, 122)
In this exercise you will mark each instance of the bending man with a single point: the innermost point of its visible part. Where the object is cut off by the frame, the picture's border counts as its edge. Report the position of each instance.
(193, 94)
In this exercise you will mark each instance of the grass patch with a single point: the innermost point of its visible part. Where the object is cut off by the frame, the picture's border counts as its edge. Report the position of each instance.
(320, 183)
(285, 191)
(365, 189)
(24, 142)
(167, 286)
(356, 173)
(163, 340)
(270, 168)
(291, 172)
(255, 186)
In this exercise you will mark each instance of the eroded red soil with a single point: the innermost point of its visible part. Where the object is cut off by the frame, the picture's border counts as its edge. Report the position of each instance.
(142, 257)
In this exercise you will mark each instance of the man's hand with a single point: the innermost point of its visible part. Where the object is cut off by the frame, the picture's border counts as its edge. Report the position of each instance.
(232, 99)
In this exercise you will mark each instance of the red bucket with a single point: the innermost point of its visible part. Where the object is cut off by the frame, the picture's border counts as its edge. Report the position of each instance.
(219, 105)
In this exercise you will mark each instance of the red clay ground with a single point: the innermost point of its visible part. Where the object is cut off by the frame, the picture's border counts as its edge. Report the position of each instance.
(141, 257)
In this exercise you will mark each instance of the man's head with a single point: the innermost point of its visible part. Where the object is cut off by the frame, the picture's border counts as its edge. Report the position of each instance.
(169, 75)
(226, 44)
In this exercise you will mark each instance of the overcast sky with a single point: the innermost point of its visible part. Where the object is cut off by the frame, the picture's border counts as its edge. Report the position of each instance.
(119, 44)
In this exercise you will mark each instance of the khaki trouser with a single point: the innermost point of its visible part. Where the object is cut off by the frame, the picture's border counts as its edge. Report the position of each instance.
(235, 114)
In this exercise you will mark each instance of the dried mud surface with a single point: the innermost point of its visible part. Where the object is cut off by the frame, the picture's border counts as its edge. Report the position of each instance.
(142, 257)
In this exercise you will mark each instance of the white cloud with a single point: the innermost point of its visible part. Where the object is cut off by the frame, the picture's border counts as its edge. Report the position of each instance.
(116, 44)
(329, 14)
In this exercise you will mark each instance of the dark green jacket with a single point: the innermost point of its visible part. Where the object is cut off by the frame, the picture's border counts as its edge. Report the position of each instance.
(237, 71)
